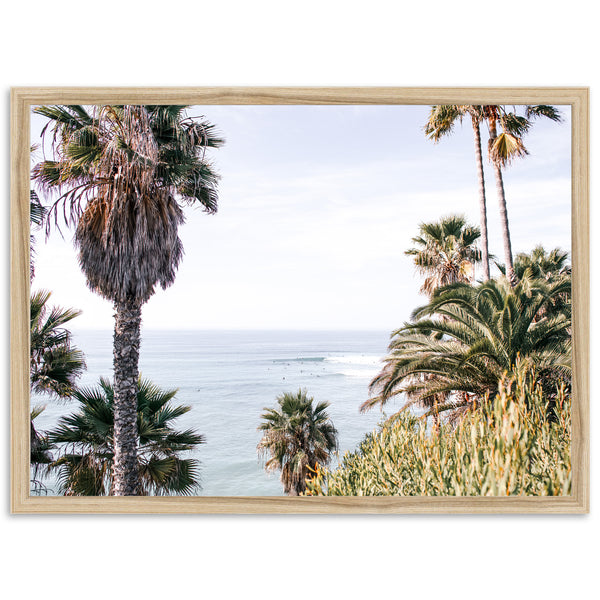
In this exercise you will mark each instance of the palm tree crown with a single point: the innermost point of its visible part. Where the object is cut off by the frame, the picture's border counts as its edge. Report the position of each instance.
(126, 170)
(445, 252)
(87, 442)
(298, 436)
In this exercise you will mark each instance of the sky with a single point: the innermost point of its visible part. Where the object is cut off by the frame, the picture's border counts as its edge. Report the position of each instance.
(317, 205)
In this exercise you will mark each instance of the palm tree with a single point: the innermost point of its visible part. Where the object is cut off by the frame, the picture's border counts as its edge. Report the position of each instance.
(503, 148)
(467, 337)
(123, 173)
(445, 252)
(442, 119)
(55, 364)
(87, 443)
(298, 437)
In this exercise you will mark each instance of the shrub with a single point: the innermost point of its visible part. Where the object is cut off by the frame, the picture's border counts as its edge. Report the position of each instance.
(519, 444)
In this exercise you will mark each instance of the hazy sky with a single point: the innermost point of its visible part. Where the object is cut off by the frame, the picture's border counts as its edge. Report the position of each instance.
(317, 205)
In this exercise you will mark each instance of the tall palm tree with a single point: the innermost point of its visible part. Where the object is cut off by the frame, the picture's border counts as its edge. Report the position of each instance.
(467, 337)
(86, 440)
(442, 119)
(445, 252)
(504, 147)
(123, 174)
(297, 437)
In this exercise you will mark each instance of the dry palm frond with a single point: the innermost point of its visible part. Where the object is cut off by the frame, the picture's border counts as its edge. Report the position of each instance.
(505, 148)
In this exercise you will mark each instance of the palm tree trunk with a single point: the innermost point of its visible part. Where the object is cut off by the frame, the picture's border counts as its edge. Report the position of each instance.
(126, 350)
(482, 203)
(510, 272)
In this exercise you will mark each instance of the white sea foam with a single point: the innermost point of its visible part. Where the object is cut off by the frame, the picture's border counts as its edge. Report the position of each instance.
(363, 359)
(360, 373)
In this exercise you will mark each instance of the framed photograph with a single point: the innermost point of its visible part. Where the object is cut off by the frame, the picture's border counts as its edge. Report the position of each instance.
(300, 300)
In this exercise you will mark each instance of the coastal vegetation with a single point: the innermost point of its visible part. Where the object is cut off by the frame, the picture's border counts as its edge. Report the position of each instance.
(55, 365)
(298, 437)
(123, 174)
(481, 372)
(489, 361)
(517, 444)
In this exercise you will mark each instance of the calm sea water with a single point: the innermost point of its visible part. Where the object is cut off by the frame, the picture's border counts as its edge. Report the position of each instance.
(229, 377)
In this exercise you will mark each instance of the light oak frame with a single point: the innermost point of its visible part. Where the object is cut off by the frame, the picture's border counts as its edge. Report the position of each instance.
(22, 99)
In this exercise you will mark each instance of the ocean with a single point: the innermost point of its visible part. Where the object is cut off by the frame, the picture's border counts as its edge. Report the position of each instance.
(229, 377)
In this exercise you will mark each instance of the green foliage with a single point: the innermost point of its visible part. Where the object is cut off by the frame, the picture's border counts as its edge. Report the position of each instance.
(519, 444)
(86, 443)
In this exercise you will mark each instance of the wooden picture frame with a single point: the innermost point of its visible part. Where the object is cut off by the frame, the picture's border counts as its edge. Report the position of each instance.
(22, 99)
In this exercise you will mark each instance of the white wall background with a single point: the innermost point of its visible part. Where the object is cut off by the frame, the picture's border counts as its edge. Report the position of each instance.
(309, 43)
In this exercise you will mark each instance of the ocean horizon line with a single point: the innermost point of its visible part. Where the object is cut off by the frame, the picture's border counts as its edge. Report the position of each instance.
(248, 329)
